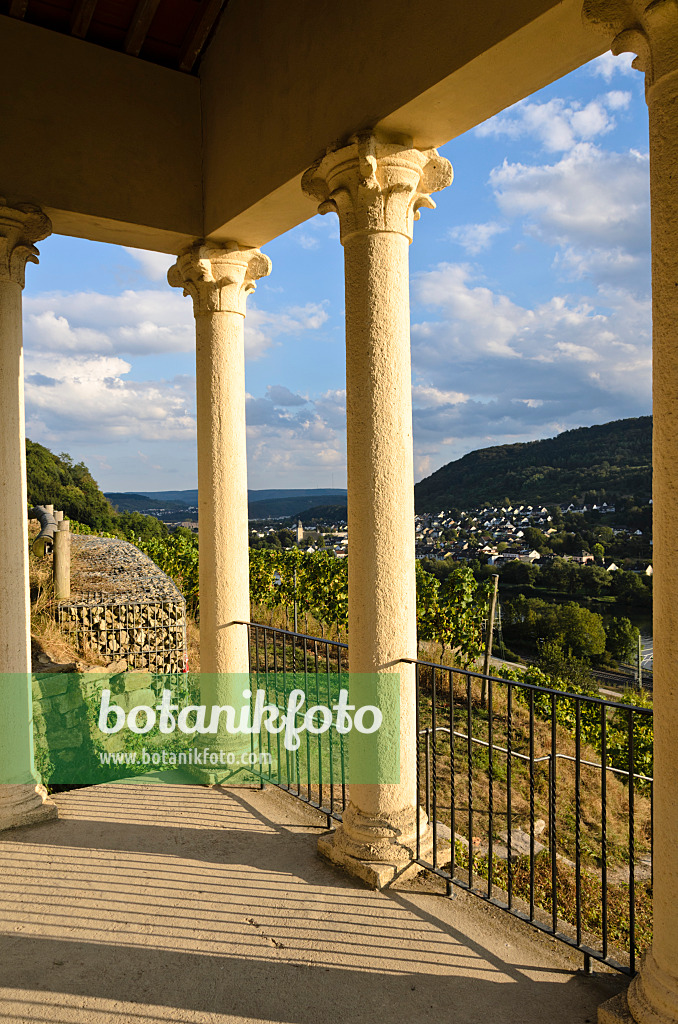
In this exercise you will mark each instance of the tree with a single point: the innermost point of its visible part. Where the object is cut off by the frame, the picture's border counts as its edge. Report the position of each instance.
(323, 588)
(534, 538)
(629, 587)
(581, 630)
(427, 602)
(622, 639)
(262, 570)
(462, 609)
(54, 479)
(593, 580)
(561, 665)
(519, 573)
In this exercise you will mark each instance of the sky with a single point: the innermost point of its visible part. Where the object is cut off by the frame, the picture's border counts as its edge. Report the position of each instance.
(530, 312)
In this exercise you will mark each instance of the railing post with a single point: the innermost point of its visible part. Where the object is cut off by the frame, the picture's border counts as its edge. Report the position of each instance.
(428, 773)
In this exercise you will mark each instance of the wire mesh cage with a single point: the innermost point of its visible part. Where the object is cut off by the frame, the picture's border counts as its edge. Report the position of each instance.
(149, 635)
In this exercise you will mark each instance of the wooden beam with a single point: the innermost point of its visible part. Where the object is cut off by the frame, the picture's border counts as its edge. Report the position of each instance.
(17, 8)
(139, 26)
(198, 38)
(81, 17)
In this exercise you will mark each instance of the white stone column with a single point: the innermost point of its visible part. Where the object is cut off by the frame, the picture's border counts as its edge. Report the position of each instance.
(219, 278)
(650, 29)
(22, 800)
(376, 185)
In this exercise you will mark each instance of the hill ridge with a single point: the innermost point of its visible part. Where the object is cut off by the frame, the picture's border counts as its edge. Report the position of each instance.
(605, 462)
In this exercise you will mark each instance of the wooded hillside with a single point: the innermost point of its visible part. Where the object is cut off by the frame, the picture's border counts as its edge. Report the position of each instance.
(610, 462)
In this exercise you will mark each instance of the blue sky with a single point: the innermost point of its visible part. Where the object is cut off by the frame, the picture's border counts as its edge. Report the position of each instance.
(530, 289)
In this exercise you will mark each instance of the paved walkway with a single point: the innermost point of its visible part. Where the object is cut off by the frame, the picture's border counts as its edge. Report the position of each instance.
(156, 903)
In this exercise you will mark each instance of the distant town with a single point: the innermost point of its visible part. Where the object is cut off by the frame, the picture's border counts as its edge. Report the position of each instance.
(492, 536)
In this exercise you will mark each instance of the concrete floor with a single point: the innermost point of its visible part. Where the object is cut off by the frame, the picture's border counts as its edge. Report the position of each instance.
(155, 903)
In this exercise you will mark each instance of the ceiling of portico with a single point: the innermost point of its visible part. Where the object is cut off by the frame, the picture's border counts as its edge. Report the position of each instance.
(173, 33)
(116, 144)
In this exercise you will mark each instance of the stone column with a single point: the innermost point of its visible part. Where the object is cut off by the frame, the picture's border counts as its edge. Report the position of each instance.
(22, 800)
(650, 29)
(219, 278)
(376, 186)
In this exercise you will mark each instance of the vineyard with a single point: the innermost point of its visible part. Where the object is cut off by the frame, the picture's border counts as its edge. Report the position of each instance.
(451, 614)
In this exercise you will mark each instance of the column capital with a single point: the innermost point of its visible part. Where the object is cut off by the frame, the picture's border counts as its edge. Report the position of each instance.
(20, 227)
(218, 277)
(648, 28)
(376, 184)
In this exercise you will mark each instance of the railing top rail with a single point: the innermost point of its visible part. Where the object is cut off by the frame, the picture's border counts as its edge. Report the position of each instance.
(428, 730)
(588, 698)
(289, 632)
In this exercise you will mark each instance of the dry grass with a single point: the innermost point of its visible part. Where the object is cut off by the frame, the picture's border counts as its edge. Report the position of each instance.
(283, 618)
(485, 785)
(576, 828)
(46, 637)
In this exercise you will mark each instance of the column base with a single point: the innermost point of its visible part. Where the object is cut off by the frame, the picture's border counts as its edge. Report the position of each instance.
(378, 850)
(26, 804)
(615, 1011)
(652, 998)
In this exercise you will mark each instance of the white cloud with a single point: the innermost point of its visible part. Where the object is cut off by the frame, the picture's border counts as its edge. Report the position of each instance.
(81, 352)
(488, 370)
(67, 397)
(607, 65)
(475, 238)
(280, 395)
(490, 320)
(557, 124)
(592, 203)
(295, 444)
(307, 241)
(431, 397)
(145, 323)
(618, 100)
(153, 264)
(262, 326)
(315, 232)
(135, 322)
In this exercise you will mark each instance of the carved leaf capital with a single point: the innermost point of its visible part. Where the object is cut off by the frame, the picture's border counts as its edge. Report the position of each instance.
(376, 184)
(20, 227)
(648, 28)
(218, 277)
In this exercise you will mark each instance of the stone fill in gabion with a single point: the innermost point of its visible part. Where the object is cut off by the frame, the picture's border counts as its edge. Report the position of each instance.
(123, 606)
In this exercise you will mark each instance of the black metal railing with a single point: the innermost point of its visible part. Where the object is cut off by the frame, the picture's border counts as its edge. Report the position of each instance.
(540, 800)
(538, 805)
(281, 661)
